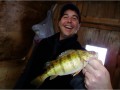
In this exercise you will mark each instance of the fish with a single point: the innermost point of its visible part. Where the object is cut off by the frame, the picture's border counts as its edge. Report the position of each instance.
(68, 62)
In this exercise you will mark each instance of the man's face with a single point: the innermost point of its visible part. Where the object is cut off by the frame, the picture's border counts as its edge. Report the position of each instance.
(69, 23)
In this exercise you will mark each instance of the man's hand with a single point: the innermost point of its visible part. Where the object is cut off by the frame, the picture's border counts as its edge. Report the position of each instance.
(96, 75)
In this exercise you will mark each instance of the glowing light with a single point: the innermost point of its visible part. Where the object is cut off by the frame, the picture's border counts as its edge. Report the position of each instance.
(101, 52)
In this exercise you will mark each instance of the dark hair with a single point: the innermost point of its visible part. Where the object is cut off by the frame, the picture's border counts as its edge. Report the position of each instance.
(71, 7)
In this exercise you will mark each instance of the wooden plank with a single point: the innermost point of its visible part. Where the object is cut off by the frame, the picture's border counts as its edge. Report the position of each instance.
(119, 58)
(92, 9)
(80, 5)
(117, 73)
(111, 64)
(106, 21)
(106, 9)
(56, 15)
(84, 9)
(74, 2)
(99, 26)
(102, 9)
(111, 9)
(116, 78)
(117, 11)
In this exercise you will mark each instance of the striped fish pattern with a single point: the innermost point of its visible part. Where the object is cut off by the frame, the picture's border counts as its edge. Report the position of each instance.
(68, 62)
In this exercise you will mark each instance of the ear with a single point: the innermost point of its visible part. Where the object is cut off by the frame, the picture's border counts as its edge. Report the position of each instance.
(59, 23)
(79, 26)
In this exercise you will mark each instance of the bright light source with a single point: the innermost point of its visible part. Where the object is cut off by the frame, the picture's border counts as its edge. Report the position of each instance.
(101, 51)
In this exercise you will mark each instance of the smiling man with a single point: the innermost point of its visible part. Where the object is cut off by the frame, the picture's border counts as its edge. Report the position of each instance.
(69, 22)
(50, 48)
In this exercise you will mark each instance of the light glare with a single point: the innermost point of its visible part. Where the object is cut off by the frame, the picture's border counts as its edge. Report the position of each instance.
(101, 52)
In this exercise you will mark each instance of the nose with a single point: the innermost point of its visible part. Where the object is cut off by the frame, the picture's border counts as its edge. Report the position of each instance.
(69, 19)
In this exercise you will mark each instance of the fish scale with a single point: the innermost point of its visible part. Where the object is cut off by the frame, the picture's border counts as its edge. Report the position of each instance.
(68, 62)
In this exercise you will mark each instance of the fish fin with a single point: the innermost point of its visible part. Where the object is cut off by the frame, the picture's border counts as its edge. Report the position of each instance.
(65, 53)
(74, 74)
(52, 77)
(38, 81)
(47, 64)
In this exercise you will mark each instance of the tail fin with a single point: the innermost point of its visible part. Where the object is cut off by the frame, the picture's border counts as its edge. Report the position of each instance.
(38, 81)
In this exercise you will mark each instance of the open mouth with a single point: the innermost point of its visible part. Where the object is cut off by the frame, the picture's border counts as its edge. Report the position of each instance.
(68, 27)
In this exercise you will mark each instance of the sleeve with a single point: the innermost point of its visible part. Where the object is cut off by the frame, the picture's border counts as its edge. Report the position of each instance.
(32, 65)
(78, 81)
(78, 46)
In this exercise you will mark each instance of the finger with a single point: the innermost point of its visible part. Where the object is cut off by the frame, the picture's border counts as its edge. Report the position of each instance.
(100, 62)
(88, 77)
(96, 64)
(86, 82)
(84, 71)
(86, 86)
(90, 69)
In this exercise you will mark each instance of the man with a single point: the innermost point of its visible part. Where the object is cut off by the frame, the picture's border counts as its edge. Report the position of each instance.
(50, 48)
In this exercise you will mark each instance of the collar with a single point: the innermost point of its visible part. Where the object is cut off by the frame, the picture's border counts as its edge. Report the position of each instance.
(71, 39)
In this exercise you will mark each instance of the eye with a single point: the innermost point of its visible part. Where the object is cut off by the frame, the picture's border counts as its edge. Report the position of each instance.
(65, 16)
(75, 18)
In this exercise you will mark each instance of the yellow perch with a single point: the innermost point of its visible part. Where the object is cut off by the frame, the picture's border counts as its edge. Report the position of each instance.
(69, 62)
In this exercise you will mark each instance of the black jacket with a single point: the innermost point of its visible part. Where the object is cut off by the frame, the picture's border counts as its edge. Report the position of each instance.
(47, 50)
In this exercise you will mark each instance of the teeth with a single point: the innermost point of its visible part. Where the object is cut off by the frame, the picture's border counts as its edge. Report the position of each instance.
(68, 27)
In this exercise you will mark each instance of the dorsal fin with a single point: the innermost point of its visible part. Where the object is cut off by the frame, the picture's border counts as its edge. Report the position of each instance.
(53, 76)
(65, 53)
(47, 64)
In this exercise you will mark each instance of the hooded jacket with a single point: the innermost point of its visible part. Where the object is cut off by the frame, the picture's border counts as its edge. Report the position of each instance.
(47, 50)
